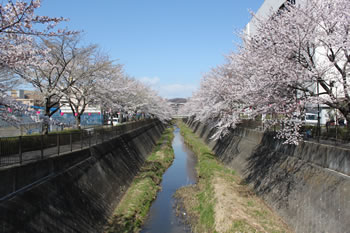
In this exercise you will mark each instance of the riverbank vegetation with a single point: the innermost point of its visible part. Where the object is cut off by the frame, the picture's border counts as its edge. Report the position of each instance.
(221, 201)
(132, 210)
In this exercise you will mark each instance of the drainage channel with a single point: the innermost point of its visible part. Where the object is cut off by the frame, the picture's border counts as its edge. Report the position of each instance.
(162, 216)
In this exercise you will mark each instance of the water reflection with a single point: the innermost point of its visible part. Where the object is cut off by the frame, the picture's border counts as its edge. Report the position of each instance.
(162, 217)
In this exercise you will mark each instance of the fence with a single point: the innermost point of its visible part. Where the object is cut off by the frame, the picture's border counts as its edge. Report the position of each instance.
(325, 134)
(18, 150)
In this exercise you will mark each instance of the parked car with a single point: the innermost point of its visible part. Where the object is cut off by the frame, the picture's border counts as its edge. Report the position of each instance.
(311, 119)
(115, 121)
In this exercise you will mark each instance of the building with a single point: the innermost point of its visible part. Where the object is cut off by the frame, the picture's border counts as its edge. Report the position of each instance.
(268, 8)
(27, 97)
(92, 114)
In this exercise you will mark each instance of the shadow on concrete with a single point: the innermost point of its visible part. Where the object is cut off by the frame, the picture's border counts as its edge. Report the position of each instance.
(81, 197)
(269, 173)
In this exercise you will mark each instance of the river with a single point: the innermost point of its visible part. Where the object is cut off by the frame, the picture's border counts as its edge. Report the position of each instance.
(162, 216)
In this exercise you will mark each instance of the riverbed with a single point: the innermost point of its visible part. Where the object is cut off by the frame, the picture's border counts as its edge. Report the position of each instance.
(162, 215)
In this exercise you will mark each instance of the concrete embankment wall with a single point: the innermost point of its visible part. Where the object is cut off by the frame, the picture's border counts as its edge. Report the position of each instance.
(308, 185)
(74, 192)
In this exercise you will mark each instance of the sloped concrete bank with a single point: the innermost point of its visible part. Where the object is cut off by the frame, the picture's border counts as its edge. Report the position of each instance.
(77, 195)
(308, 185)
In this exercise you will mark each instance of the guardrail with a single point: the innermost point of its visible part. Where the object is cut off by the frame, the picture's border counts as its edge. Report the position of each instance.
(18, 150)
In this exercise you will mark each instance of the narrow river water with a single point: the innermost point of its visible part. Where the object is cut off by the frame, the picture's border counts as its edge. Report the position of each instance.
(162, 216)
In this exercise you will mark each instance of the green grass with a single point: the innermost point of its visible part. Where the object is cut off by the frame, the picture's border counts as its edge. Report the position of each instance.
(129, 216)
(206, 207)
(199, 200)
(207, 165)
(134, 206)
(250, 203)
(242, 226)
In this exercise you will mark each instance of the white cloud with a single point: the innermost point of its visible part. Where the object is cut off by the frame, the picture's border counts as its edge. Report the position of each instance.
(177, 90)
(170, 90)
(152, 82)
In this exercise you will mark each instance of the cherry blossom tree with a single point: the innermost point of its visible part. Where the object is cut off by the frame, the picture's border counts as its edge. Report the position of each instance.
(52, 77)
(130, 95)
(220, 99)
(19, 29)
(114, 90)
(298, 57)
(85, 76)
(146, 100)
(52, 61)
(301, 53)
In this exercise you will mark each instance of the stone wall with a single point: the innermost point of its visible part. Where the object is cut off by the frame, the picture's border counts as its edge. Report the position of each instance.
(74, 192)
(308, 185)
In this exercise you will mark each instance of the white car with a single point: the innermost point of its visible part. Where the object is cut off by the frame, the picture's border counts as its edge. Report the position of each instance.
(115, 121)
(311, 119)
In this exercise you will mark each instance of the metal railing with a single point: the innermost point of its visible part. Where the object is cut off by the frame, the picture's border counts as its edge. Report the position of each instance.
(330, 134)
(18, 150)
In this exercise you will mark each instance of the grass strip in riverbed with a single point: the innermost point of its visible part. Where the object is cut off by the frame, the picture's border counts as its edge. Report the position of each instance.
(132, 210)
(221, 201)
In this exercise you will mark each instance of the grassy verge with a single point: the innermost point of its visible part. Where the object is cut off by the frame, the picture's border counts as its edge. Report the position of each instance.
(134, 206)
(221, 201)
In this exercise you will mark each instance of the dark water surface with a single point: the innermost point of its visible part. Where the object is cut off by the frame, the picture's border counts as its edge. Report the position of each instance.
(162, 217)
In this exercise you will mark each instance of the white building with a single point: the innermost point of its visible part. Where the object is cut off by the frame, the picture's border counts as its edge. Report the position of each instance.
(88, 109)
(265, 11)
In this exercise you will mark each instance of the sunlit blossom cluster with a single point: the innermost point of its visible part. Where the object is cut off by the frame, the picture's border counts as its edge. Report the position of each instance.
(298, 57)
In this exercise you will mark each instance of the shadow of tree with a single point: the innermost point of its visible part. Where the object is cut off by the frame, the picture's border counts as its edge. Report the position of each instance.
(271, 172)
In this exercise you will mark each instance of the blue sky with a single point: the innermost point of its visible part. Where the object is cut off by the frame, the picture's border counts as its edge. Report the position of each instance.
(168, 44)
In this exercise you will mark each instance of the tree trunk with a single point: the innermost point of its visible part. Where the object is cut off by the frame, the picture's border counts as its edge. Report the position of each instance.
(77, 121)
(45, 129)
